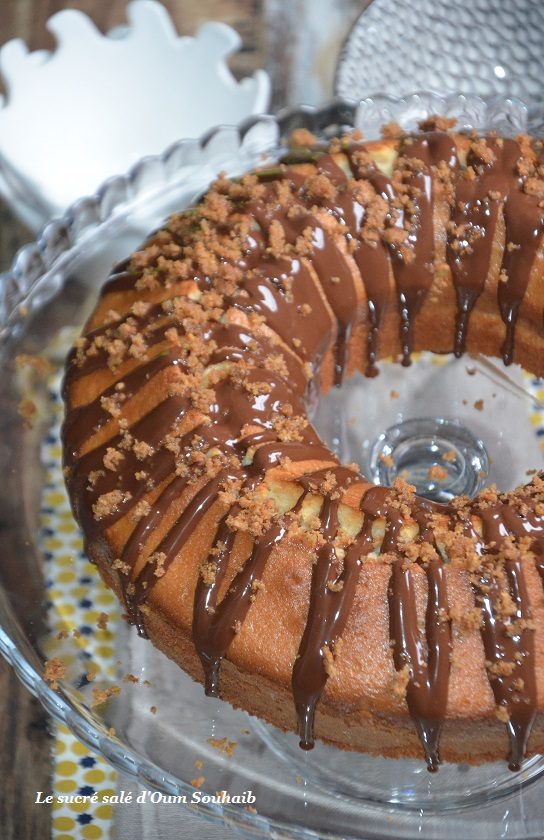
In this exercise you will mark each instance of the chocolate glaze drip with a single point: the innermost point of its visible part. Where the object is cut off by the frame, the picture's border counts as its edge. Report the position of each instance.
(428, 674)
(371, 256)
(98, 360)
(136, 543)
(331, 596)
(121, 279)
(76, 432)
(213, 635)
(395, 271)
(152, 429)
(283, 311)
(524, 220)
(215, 624)
(373, 264)
(516, 691)
(530, 525)
(175, 539)
(309, 675)
(475, 213)
(477, 205)
(414, 276)
(232, 342)
(509, 648)
(413, 267)
(427, 687)
(332, 269)
(336, 278)
(328, 261)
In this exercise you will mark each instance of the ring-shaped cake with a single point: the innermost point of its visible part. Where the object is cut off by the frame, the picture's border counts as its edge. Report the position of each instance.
(283, 580)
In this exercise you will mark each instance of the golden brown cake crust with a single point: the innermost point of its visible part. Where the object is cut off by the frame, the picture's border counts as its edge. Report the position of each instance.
(235, 539)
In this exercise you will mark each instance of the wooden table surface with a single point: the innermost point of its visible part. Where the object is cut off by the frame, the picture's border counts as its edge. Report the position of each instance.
(271, 36)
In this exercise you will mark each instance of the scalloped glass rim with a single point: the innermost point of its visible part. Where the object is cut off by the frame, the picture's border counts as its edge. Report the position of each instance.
(507, 114)
(36, 275)
(34, 261)
(435, 50)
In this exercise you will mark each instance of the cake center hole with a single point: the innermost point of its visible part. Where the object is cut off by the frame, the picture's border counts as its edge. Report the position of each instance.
(425, 424)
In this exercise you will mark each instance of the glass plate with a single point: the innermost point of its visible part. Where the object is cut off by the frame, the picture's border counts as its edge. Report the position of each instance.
(326, 793)
(485, 46)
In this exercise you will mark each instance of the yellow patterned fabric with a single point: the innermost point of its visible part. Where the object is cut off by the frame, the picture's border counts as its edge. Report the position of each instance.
(79, 771)
(536, 388)
(78, 601)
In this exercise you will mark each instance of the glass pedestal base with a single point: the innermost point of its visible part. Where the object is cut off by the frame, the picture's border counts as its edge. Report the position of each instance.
(441, 458)
(449, 426)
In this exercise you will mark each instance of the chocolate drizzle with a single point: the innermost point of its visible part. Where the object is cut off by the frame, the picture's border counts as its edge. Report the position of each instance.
(213, 635)
(373, 264)
(427, 686)
(408, 246)
(332, 592)
(476, 208)
(508, 641)
(219, 372)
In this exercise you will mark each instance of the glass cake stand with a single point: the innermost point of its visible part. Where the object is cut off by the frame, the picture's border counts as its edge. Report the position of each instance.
(490, 417)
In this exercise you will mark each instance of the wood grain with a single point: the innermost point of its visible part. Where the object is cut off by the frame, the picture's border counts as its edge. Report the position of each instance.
(27, 19)
(25, 762)
(26, 754)
(13, 235)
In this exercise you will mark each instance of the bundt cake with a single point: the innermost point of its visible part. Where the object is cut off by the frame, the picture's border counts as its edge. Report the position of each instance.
(285, 581)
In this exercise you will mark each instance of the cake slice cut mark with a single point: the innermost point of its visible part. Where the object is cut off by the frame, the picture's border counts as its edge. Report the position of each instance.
(151, 431)
(215, 624)
(301, 225)
(96, 416)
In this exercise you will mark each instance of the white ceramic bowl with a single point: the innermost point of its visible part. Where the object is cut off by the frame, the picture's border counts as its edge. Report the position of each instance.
(100, 103)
